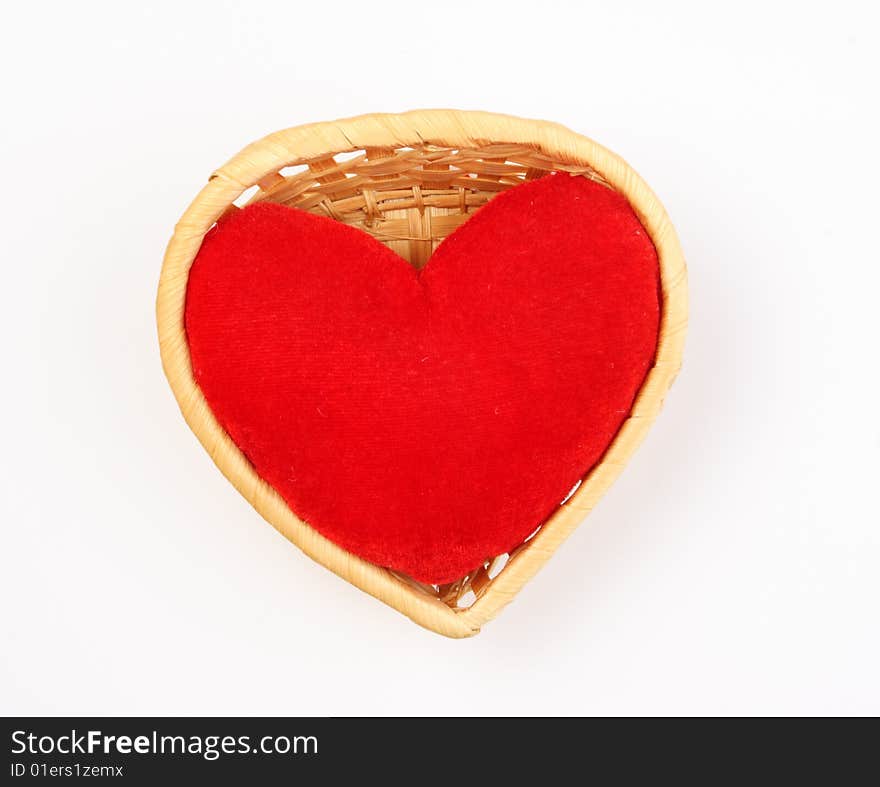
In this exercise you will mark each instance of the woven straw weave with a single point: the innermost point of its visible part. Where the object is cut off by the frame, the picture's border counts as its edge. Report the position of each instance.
(409, 180)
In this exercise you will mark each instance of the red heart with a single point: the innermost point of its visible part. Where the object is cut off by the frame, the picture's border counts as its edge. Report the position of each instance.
(427, 421)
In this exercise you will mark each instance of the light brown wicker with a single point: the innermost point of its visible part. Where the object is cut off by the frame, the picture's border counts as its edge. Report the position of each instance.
(409, 180)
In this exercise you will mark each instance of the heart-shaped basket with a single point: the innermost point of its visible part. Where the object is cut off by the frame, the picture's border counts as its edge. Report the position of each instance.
(409, 180)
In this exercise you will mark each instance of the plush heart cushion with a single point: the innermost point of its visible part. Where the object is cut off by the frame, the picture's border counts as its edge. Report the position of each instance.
(429, 420)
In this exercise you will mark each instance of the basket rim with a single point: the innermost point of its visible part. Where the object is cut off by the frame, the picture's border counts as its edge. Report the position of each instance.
(447, 128)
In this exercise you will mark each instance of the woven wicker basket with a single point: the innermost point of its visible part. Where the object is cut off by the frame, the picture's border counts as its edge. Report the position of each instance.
(409, 180)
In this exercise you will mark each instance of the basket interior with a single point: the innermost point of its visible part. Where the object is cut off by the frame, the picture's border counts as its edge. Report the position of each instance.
(410, 199)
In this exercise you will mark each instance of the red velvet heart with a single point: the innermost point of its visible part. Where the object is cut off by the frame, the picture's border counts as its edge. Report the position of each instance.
(427, 420)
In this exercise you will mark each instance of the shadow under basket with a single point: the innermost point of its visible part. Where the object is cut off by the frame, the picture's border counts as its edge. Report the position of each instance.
(409, 180)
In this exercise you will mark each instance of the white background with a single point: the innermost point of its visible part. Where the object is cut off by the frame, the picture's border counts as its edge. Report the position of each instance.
(733, 569)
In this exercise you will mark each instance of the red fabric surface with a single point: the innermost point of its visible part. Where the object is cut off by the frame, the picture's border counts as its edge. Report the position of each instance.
(427, 421)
